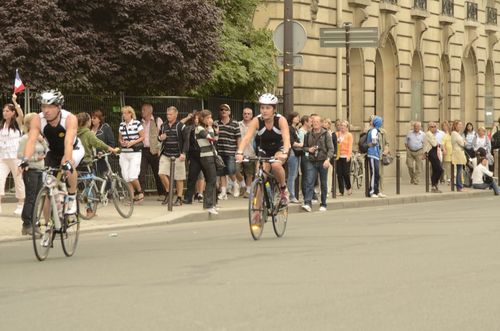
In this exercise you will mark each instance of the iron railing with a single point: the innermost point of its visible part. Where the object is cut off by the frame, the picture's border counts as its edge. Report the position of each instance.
(392, 2)
(111, 106)
(420, 4)
(471, 11)
(448, 8)
(491, 15)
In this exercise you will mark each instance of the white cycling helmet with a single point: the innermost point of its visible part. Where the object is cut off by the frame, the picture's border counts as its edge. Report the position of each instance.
(51, 97)
(268, 99)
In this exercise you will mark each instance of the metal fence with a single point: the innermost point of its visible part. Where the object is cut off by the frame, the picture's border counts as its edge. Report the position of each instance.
(111, 107)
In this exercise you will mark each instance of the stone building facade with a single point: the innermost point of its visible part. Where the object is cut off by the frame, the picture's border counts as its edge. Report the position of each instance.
(436, 60)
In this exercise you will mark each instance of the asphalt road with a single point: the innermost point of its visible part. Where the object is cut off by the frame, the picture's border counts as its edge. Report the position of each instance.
(427, 266)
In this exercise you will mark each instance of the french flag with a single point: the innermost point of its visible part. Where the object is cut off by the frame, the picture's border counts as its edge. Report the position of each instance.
(18, 83)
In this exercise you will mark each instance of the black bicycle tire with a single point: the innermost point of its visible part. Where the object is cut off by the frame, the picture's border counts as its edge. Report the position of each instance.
(69, 250)
(35, 226)
(277, 209)
(256, 234)
(116, 197)
(83, 202)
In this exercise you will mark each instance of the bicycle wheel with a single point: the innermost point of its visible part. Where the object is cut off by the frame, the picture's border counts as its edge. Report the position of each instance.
(88, 199)
(257, 211)
(70, 232)
(122, 197)
(42, 225)
(360, 174)
(280, 213)
(353, 173)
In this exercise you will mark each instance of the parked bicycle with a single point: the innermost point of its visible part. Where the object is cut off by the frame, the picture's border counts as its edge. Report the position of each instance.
(264, 200)
(357, 169)
(92, 190)
(49, 218)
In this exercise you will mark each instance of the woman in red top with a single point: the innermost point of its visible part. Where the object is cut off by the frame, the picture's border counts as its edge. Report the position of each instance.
(344, 141)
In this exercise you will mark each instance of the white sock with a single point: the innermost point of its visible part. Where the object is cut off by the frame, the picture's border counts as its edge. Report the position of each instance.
(242, 183)
(223, 190)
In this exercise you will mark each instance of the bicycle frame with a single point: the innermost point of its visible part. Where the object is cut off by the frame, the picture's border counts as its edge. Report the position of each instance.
(51, 186)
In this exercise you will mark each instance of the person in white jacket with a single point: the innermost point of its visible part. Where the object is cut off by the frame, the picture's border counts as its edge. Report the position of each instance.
(478, 175)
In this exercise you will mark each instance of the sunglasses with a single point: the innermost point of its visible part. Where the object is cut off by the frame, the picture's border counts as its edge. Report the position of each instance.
(223, 110)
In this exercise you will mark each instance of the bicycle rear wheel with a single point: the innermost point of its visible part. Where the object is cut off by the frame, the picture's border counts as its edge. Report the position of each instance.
(257, 211)
(88, 198)
(42, 225)
(280, 213)
(122, 197)
(70, 232)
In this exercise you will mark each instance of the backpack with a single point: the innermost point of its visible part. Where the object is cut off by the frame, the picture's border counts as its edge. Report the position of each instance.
(363, 142)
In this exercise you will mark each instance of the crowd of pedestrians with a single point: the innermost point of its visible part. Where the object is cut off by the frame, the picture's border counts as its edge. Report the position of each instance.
(205, 151)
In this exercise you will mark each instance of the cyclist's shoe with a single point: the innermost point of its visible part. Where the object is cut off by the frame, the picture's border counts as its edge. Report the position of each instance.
(283, 197)
(256, 221)
(71, 205)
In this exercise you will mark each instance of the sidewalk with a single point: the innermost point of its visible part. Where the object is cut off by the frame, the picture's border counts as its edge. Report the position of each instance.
(151, 212)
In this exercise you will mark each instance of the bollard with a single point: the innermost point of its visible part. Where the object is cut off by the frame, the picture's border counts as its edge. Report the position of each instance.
(426, 173)
(367, 177)
(334, 175)
(171, 184)
(398, 173)
(452, 175)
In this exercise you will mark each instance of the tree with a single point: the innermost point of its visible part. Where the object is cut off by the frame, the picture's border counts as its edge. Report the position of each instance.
(136, 46)
(247, 66)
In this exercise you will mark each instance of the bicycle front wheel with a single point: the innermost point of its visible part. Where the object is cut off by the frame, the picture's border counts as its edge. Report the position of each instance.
(42, 225)
(122, 197)
(257, 211)
(280, 213)
(69, 233)
(88, 198)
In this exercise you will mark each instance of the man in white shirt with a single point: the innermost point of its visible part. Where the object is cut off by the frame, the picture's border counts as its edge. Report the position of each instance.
(246, 170)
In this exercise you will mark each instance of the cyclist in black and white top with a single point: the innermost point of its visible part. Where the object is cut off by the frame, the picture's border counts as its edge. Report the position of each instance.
(272, 135)
(58, 127)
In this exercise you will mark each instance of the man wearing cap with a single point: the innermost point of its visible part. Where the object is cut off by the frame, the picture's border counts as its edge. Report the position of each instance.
(229, 138)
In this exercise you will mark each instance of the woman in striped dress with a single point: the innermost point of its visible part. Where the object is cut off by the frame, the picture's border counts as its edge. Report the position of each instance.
(130, 136)
(205, 136)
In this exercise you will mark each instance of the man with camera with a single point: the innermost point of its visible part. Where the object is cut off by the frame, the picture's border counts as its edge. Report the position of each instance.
(318, 143)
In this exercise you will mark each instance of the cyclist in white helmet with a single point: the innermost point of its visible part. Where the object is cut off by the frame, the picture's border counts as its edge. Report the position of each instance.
(58, 127)
(272, 136)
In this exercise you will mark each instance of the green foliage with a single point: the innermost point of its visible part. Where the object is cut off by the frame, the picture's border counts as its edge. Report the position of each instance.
(247, 66)
(146, 46)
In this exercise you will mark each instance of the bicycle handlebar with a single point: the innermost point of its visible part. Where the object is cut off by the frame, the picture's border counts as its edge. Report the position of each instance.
(260, 158)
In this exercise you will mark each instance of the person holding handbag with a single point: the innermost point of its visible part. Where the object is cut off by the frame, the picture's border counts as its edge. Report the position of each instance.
(344, 139)
(131, 137)
(205, 136)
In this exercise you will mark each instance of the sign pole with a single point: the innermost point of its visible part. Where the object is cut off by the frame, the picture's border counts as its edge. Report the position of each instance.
(288, 58)
(347, 27)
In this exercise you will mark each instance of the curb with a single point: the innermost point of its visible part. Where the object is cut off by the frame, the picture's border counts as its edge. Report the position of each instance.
(293, 209)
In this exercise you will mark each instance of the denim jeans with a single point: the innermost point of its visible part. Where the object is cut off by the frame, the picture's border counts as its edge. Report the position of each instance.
(458, 181)
(313, 168)
(293, 171)
(484, 186)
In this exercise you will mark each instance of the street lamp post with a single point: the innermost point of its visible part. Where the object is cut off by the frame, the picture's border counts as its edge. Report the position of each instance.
(288, 58)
